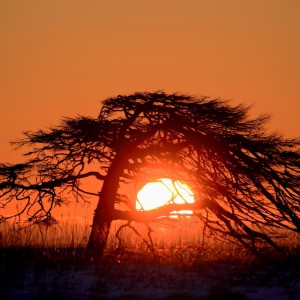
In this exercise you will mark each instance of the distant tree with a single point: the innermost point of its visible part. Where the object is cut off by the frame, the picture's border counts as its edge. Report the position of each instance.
(246, 180)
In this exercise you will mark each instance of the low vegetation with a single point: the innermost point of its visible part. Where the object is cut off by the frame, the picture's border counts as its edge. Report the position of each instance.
(140, 262)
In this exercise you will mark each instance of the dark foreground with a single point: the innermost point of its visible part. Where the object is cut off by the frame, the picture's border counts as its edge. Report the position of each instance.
(28, 274)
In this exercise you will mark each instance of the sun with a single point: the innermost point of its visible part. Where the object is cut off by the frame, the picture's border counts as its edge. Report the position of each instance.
(164, 191)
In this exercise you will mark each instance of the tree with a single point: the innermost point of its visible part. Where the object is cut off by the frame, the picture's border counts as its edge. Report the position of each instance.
(246, 180)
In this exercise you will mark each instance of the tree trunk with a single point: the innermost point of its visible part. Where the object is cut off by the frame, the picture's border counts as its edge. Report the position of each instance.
(99, 235)
(103, 216)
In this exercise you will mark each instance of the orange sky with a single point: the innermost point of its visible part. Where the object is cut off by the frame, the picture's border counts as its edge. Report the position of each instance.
(61, 57)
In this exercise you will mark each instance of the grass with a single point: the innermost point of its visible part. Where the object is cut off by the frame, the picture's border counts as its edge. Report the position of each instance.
(167, 242)
(63, 235)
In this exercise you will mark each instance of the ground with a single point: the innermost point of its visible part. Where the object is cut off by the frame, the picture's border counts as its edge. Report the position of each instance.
(30, 274)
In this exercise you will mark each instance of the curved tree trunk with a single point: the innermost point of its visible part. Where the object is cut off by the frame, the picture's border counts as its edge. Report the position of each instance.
(103, 216)
(99, 234)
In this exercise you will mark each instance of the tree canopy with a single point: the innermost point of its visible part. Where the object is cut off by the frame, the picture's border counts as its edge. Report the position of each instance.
(246, 180)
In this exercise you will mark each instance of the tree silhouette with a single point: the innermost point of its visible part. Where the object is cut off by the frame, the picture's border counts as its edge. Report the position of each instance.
(246, 180)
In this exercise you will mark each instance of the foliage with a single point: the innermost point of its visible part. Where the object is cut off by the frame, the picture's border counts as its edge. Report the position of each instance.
(246, 179)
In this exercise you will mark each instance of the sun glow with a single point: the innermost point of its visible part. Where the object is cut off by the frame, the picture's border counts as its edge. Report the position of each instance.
(162, 192)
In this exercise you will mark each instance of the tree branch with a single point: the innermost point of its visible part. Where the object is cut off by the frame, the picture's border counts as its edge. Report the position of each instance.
(156, 214)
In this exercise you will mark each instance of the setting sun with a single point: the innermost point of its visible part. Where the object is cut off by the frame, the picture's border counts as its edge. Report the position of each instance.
(164, 191)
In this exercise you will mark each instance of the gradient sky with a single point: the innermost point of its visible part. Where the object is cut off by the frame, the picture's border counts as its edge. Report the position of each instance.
(61, 57)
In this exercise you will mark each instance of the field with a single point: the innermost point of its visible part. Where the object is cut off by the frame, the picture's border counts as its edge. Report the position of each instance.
(39, 263)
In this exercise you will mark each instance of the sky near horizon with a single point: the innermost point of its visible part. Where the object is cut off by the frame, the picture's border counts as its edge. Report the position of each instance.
(62, 57)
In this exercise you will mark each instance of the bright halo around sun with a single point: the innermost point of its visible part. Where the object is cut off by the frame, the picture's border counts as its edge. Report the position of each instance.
(164, 191)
